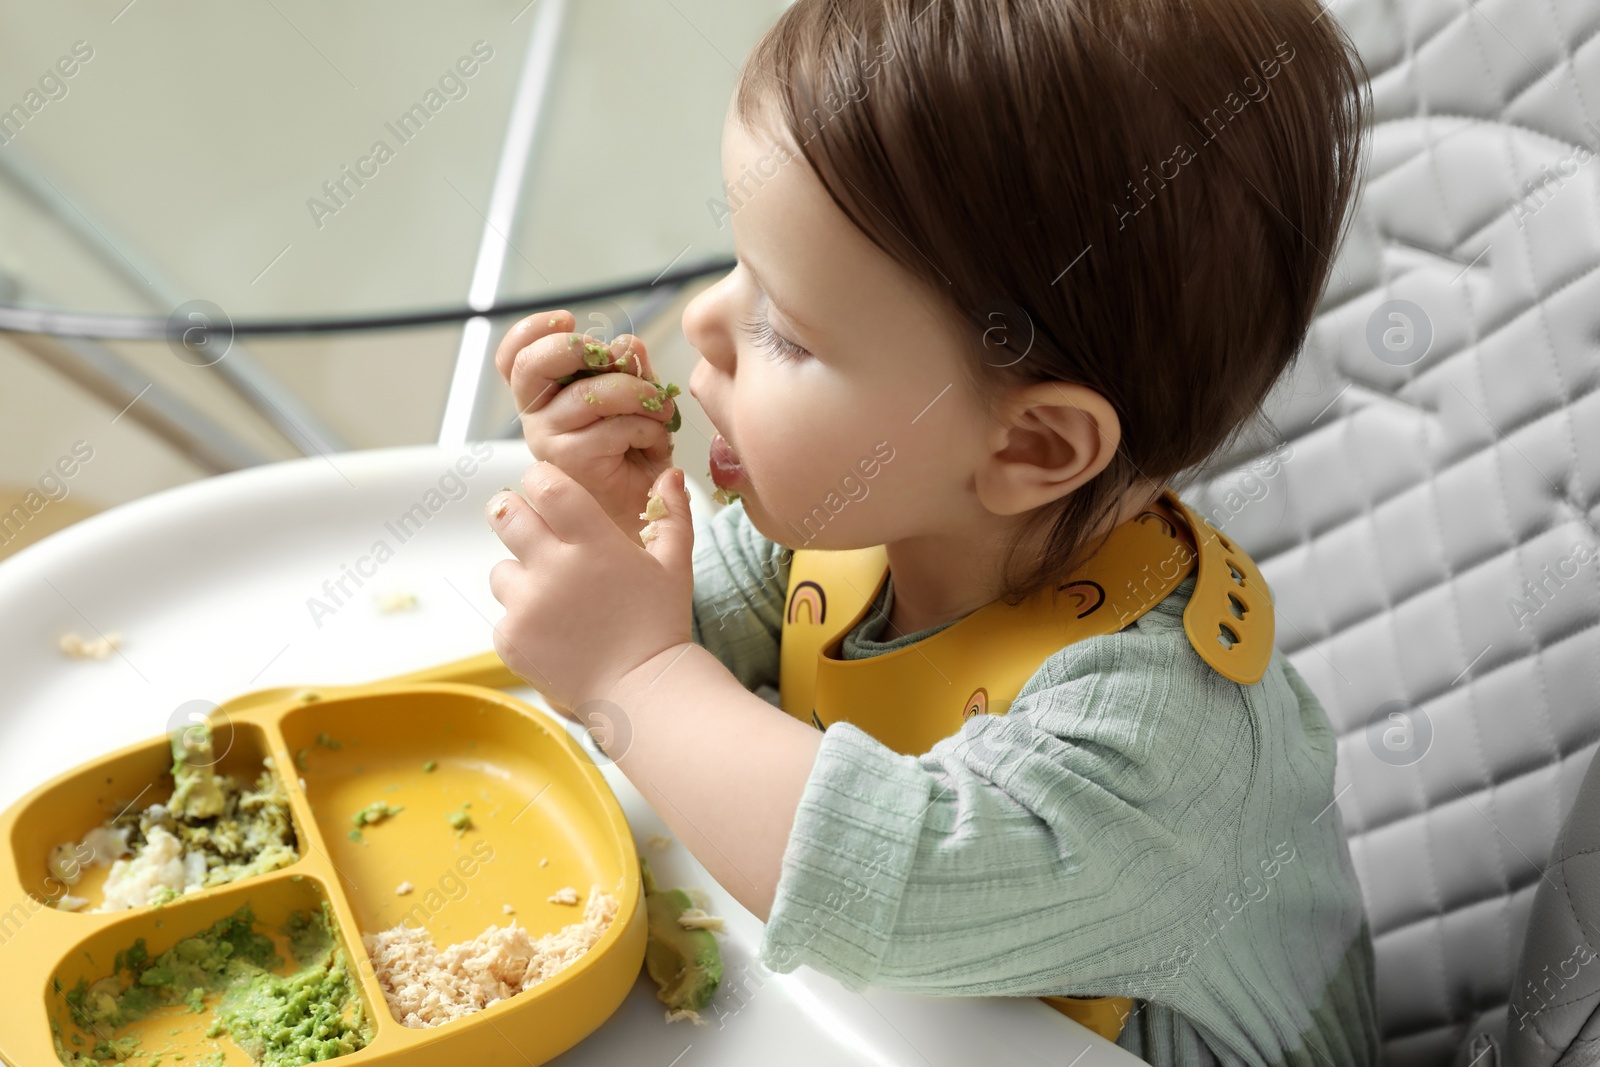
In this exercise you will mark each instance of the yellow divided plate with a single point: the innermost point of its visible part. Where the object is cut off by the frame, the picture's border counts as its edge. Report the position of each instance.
(534, 795)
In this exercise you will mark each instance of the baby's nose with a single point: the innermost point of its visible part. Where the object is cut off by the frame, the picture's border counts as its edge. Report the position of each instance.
(696, 379)
(708, 326)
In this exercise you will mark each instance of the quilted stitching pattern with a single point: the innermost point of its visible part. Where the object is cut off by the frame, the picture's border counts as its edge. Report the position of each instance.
(1397, 510)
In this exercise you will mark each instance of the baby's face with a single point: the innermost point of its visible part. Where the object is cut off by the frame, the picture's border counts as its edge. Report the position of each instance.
(860, 426)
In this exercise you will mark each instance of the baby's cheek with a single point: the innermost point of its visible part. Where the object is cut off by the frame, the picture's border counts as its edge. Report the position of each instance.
(921, 471)
(796, 468)
(792, 436)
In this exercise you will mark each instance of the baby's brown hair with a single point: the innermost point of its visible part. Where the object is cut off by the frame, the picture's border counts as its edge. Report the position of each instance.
(1140, 196)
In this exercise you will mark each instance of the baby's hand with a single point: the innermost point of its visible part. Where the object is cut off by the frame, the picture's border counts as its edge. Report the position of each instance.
(592, 409)
(574, 576)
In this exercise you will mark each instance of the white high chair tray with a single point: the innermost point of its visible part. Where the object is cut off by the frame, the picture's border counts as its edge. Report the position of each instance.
(208, 585)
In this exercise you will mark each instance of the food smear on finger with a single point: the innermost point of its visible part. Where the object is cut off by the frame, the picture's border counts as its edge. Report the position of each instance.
(598, 359)
(654, 508)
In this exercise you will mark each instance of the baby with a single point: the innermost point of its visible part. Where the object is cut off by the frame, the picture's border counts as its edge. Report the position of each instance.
(1007, 271)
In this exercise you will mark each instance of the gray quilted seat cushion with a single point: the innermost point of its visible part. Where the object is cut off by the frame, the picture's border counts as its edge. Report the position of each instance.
(1552, 1020)
(1424, 505)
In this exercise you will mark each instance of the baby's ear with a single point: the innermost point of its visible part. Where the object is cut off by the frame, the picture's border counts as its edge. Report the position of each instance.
(1052, 437)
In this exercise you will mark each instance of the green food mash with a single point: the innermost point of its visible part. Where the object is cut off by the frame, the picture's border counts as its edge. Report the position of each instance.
(196, 793)
(686, 965)
(598, 356)
(311, 1015)
(375, 812)
(241, 831)
(669, 392)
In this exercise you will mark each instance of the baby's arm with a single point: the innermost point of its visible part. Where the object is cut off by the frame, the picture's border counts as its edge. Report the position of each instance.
(724, 769)
(722, 766)
(1023, 836)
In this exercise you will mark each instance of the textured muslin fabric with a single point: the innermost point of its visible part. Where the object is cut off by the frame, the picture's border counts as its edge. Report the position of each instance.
(1136, 825)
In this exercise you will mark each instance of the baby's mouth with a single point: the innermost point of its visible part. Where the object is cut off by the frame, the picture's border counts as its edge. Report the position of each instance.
(726, 470)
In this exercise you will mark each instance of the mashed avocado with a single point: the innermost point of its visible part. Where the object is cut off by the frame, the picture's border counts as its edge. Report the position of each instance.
(196, 793)
(685, 962)
(310, 1015)
(669, 391)
(372, 814)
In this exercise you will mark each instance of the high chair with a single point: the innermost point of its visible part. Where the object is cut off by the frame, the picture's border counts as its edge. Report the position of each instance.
(1426, 514)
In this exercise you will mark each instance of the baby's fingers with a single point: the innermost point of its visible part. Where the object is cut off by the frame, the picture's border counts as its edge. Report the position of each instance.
(606, 396)
(625, 353)
(606, 438)
(635, 357)
(555, 361)
(525, 333)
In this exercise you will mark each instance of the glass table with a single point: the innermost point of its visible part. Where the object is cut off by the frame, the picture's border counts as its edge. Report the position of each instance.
(287, 229)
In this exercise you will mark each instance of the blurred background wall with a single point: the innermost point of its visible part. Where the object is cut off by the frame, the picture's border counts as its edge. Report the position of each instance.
(184, 158)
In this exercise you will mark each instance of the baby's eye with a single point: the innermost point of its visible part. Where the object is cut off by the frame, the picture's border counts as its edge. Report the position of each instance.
(761, 332)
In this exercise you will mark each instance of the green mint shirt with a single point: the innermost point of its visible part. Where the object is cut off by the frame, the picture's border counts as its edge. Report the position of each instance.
(1136, 825)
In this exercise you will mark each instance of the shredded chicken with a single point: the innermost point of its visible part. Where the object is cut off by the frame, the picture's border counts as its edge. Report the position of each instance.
(697, 919)
(76, 646)
(426, 986)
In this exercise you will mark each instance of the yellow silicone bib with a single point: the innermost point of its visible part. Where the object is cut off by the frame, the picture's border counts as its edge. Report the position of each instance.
(913, 697)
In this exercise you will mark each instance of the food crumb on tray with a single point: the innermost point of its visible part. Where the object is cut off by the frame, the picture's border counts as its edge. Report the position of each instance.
(565, 895)
(403, 888)
(394, 602)
(684, 1013)
(508, 909)
(372, 815)
(427, 986)
(76, 646)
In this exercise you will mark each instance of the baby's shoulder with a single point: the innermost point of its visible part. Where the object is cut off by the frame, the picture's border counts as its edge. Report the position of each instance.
(1151, 649)
(1145, 690)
